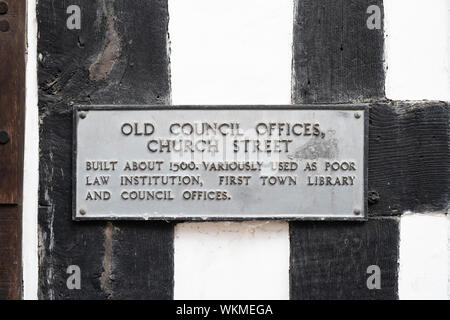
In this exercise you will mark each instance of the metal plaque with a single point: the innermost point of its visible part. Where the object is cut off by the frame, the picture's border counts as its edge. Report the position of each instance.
(220, 162)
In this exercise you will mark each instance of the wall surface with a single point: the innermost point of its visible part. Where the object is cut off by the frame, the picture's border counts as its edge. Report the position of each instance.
(221, 54)
(245, 52)
(417, 51)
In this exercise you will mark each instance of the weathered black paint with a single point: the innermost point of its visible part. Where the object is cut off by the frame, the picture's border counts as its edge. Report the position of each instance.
(409, 157)
(337, 59)
(119, 56)
(330, 260)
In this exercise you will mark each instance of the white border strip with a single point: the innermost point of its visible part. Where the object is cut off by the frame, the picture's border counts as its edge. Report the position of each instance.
(31, 163)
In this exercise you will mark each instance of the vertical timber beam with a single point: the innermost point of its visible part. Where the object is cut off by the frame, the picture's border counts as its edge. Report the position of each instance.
(338, 59)
(117, 53)
(12, 112)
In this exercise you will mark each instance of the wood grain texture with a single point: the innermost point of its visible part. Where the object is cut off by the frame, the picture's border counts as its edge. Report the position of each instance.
(336, 57)
(12, 100)
(120, 56)
(10, 252)
(12, 112)
(409, 157)
(329, 260)
(409, 161)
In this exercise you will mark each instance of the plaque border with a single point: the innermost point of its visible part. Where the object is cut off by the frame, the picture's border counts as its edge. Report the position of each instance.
(363, 107)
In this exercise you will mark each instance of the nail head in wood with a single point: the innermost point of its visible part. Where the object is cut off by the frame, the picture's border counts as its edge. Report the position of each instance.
(3, 7)
(4, 26)
(4, 137)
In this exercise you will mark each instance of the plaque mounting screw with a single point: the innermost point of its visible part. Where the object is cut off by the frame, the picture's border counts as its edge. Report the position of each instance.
(357, 115)
(83, 115)
(82, 212)
(4, 137)
(357, 212)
